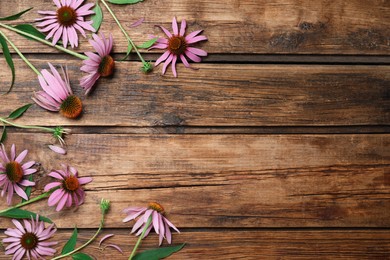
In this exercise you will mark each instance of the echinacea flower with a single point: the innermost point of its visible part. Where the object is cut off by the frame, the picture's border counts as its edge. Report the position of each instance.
(29, 239)
(179, 45)
(14, 173)
(98, 65)
(160, 223)
(57, 94)
(69, 190)
(64, 22)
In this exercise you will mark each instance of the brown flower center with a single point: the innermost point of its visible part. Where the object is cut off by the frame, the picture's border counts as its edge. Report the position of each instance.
(106, 66)
(14, 171)
(29, 241)
(177, 45)
(157, 207)
(71, 183)
(66, 16)
(71, 107)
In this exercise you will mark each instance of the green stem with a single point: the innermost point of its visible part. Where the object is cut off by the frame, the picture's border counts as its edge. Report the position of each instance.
(123, 30)
(140, 237)
(42, 196)
(26, 126)
(78, 55)
(20, 54)
(86, 244)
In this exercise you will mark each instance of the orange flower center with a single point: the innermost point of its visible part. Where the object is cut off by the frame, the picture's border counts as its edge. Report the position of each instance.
(66, 16)
(71, 107)
(177, 45)
(106, 66)
(29, 241)
(14, 171)
(71, 183)
(157, 207)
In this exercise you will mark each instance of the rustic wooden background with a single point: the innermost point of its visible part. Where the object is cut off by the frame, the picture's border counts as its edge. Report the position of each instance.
(278, 147)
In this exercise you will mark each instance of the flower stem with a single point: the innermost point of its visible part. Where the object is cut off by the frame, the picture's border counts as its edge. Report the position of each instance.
(86, 244)
(78, 55)
(123, 30)
(140, 237)
(42, 196)
(20, 54)
(26, 126)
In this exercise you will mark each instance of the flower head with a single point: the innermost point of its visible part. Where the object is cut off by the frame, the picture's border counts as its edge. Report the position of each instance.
(64, 22)
(14, 173)
(98, 65)
(57, 94)
(159, 222)
(29, 240)
(179, 45)
(69, 190)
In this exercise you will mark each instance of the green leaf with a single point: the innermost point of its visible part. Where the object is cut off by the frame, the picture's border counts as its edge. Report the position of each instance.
(81, 256)
(15, 16)
(19, 112)
(8, 58)
(3, 135)
(28, 28)
(97, 18)
(158, 253)
(124, 2)
(28, 188)
(22, 214)
(148, 44)
(71, 244)
(129, 48)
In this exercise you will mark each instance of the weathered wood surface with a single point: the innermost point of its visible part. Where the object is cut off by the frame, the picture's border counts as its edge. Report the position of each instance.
(323, 180)
(267, 161)
(275, 244)
(218, 95)
(253, 26)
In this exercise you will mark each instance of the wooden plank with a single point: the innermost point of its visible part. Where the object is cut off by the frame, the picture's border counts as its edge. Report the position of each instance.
(227, 180)
(218, 95)
(275, 244)
(252, 26)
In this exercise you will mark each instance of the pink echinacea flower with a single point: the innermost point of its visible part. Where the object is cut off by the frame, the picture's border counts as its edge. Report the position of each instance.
(69, 190)
(97, 65)
(57, 94)
(64, 22)
(14, 173)
(178, 45)
(159, 222)
(29, 240)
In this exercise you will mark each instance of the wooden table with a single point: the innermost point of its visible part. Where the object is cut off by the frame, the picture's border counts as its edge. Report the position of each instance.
(276, 148)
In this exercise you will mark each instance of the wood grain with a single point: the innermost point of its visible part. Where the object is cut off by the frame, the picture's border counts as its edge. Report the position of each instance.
(227, 180)
(218, 95)
(275, 244)
(252, 26)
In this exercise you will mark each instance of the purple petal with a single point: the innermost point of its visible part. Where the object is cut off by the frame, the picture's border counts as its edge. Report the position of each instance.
(104, 238)
(137, 23)
(57, 149)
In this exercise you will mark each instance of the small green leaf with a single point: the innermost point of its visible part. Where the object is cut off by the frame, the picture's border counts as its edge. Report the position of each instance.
(3, 135)
(19, 112)
(28, 28)
(124, 2)
(15, 16)
(158, 253)
(129, 48)
(71, 244)
(28, 188)
(97, 18)
(8, 58)
(81, 256)
(22, 214)
(148, 44)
